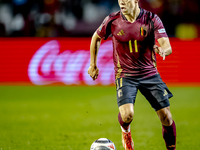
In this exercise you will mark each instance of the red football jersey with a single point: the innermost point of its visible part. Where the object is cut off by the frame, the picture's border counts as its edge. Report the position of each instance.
(133, 53)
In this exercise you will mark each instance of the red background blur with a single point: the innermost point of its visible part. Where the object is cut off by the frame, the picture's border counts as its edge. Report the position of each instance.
(182, 67)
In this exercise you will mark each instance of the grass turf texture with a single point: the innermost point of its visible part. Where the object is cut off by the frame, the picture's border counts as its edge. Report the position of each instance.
(71, 118)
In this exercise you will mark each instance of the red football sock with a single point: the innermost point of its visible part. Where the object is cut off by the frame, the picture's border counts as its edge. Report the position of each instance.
(122, 123)
(169, 135)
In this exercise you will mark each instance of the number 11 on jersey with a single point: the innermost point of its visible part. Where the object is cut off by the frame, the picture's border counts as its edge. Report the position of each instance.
(131, 48)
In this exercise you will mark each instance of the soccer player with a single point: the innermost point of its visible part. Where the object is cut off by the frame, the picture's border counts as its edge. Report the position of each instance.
(134, 31)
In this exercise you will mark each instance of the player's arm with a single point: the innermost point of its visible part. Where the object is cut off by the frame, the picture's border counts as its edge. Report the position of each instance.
(93, 71)
(165, 48)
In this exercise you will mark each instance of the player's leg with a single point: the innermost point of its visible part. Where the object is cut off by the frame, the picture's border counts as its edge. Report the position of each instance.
(168, 127)
(126, 93)
(125, 118)
(157, 93)
(125, 115)
(165, 116)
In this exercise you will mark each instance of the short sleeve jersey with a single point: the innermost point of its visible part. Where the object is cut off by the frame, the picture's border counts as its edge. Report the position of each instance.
(133, 53)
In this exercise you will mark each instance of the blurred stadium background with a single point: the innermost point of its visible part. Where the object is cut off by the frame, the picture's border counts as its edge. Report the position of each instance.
(61, 18)
(47, 100)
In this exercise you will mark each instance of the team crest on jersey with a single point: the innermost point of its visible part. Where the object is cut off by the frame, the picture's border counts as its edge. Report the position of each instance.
(143, 31)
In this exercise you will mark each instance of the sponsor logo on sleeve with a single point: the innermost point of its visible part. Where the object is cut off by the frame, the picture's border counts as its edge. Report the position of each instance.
(100, 28)
(161, 31)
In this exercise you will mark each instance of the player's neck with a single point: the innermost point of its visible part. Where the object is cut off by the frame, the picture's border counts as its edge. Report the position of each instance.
(133, 16)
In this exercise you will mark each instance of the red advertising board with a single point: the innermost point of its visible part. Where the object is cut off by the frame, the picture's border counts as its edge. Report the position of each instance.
(46, 61)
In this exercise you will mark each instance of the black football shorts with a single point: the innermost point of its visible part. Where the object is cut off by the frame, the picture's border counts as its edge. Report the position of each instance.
(153, 88)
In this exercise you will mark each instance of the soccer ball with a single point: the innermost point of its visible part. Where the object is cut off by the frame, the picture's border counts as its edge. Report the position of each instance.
(103, 144)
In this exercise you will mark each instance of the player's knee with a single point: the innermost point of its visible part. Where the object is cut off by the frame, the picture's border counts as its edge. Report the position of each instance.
(128, 117)
(165, 116)
(166, 119)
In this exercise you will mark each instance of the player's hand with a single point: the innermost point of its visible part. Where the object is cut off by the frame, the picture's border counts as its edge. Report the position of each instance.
(93, 71)
(159, 51)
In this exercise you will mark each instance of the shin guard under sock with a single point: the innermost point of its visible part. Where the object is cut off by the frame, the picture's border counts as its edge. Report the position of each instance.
(169, 135)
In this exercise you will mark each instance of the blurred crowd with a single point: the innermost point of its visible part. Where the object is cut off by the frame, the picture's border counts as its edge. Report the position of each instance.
(77, 18)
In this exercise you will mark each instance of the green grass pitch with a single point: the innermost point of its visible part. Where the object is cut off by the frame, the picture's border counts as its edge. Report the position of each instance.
(72, 117)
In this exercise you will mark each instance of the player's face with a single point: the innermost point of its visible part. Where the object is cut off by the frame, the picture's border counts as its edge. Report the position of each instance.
(127, 6)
